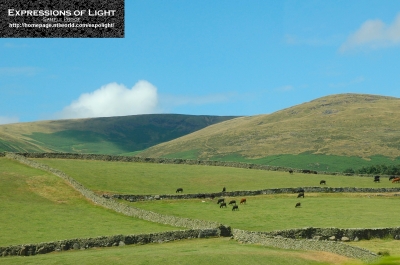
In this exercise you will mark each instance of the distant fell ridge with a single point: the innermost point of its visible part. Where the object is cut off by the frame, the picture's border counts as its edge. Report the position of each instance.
(110, 135)
(357, 125)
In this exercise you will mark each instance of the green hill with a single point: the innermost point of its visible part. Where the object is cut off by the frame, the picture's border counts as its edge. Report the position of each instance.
(330, 133)
(111, 135)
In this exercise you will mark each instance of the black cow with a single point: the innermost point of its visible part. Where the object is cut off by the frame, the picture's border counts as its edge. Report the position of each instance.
(291, 171)
(377, 179)
(223, 204)
(306, 171)
(179, 190)
(235, 208)
(223, 189)
(322, 182)
(222, 200)
(232, 202)
(298, 205)
(392, 177)
(301, 194)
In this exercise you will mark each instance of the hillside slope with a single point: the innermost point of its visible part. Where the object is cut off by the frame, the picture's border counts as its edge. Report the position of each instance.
(357, 125)
(111, 135)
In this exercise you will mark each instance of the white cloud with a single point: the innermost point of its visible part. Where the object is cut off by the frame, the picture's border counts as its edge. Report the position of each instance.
(284, 88)
(374, 34)
(6, 120)
(114, 100)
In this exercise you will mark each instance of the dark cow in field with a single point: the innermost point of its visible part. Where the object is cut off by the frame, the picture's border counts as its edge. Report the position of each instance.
(243, 201)
(313, 172)
(179, 190)
(291, 171)
(222, 200)
(235, 208)
(392, 177)
(322, 182)
(396, 180)
(223, 204)
(223, 189)
(298, 205)
(232, 202)
(301, 194)
(306, 171)
(377, 179)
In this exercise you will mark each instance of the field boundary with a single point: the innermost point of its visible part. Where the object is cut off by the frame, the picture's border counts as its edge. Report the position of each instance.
(137, 159)
(149, 197)
(203, 228)
(105, 241)
(337, 247)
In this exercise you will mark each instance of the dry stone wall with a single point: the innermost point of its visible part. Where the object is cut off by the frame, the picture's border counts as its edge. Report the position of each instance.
(122, 208)
(105, 241)
(304, 244)
(173, 161)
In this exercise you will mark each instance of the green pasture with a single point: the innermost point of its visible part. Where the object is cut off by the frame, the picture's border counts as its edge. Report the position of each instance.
(278, 212)
(216, 251)
(318, 162)
(150, 178)
(39, 207)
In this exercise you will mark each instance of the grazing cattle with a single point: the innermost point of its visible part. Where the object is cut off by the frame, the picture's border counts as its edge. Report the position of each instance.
(291, 171)
(392, 177)
(377, 179)
(301, 194)
(232, 202)
(313, 172)
(222, 200)
(322, 182)
(179, 190)
(235, 208)
(298, 205)
(395, 180)
(223, 204)
(243, 201)
(223, 189)
(306, 171)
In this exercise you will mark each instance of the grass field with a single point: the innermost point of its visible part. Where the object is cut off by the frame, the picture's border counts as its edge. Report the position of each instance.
(149, 178)
(277, 212)
(39, 207)
(216, 251)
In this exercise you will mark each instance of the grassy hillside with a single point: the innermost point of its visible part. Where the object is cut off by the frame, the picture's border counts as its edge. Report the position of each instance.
(355, 126)
(39, 207)
(111, 135)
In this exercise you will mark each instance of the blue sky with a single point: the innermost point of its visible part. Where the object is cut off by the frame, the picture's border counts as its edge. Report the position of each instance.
(208, 57)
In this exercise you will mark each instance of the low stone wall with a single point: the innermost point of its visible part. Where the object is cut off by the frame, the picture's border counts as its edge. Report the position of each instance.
(351, 234)
(179, 161)
(304, 244)
(105, 241)
(122, 208)
(244, 193)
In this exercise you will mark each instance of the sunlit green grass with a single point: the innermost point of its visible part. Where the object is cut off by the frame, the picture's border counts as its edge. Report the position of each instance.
(39, 207)
(216, 251)
(277, 212)
(150, 178)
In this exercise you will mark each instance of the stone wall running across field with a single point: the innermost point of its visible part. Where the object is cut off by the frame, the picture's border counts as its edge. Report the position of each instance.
(105, 241)
(122, 208)
(244, 193)
(287, 239)
(304, 244)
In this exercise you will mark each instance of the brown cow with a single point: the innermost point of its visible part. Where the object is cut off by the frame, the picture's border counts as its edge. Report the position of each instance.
(395, 180)
(243, 201)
